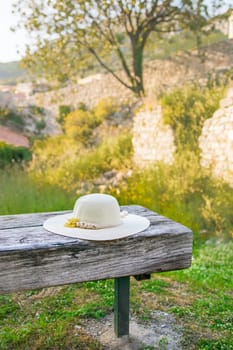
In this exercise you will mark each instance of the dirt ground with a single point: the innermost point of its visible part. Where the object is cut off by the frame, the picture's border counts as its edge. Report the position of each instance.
(160, 332)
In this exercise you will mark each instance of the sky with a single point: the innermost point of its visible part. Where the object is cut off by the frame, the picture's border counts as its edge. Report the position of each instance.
(12, 44)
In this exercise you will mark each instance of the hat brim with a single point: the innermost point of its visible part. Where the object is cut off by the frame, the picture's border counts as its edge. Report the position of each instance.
(131, 224)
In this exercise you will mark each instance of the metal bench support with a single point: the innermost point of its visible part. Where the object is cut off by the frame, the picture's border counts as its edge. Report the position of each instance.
(121, 306)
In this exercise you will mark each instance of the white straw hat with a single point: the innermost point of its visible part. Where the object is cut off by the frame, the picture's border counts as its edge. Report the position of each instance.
(97, 217)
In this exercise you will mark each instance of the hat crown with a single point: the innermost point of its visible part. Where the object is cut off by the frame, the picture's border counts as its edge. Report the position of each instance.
(99, 209)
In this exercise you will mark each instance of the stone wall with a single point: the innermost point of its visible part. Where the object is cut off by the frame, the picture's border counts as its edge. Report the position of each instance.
(230, 26)
(152, 140)
(216, 141)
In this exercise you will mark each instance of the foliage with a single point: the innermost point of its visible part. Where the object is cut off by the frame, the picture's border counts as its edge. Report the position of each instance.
(79, 126)
(75, 164)
(49, 152)
(105, 108)
(23, 193)
(40, 124)
(112, 153)
(37, 110)
(67, 34)
(64, 110)
(185, 110)
(82, 153)
(10, 117)
(10, 154)
(184, 192)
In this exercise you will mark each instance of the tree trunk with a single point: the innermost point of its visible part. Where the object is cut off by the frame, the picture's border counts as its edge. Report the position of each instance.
(138, 70)
(137, 51)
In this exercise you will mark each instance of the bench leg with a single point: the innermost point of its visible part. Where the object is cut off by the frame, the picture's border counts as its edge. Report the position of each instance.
(121, 306)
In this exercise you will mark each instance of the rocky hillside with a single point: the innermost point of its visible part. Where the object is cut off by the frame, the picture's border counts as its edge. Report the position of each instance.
(159, 75)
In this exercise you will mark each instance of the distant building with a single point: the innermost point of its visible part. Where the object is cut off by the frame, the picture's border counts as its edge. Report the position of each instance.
(221, 25)
(24, 88)
(7, 88)
(224, 24)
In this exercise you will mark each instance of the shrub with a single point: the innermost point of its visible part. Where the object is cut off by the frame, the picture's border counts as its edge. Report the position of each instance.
(8, 116)
(49, 153)
(40, 124)
(185, 193)
(104, 109)
(82, 106)
(113, 153)
(37, 110)
(186, 109)
(10, 154)
(60, 161)
(79, 125)
(64, 110)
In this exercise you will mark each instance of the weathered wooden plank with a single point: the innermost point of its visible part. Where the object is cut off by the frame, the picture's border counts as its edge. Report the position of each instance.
(25, 231)
(31, 257)
(74, 263)
(25, 220)
(25, 238)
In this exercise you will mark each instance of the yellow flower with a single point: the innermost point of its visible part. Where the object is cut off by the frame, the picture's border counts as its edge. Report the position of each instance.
(72, 222)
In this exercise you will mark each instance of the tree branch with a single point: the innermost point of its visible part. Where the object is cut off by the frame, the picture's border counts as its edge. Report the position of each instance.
(105, 66)
(121, 56)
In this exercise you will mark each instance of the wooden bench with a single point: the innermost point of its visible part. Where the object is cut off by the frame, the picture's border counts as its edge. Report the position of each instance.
(31, 257)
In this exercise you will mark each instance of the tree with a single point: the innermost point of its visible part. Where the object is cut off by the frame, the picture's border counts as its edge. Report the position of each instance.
(70, 33)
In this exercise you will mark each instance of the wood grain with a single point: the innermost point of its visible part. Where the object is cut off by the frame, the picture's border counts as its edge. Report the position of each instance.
(31, 257)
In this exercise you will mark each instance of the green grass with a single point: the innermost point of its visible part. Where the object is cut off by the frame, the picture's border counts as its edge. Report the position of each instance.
(20, 193)
(200, 297)
(210, 283)
(215, 270)
(47, 319)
